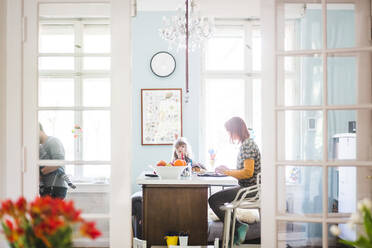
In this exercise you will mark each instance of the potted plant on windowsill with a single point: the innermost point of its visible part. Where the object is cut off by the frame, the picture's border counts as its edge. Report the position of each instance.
(43, 223)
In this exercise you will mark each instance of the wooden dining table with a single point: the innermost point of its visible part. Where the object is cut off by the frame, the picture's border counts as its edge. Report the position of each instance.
(177, 205)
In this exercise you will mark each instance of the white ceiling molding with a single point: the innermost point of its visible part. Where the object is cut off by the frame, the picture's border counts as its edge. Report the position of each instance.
(75, 10)
(215, 8)
(241, 9)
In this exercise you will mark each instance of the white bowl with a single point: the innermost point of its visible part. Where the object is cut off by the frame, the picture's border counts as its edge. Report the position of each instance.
(169, 172)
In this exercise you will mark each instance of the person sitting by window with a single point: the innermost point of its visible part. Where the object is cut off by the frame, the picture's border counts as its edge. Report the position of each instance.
(53, 180)
(247, 168)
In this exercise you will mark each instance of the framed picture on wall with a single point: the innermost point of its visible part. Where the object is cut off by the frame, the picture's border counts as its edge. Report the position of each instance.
(161, 116)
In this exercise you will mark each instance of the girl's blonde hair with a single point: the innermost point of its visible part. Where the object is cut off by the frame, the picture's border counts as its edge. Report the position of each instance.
(180, 142)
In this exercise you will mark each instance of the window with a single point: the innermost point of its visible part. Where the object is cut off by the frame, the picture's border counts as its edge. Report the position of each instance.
(74, 93)
(232, 87)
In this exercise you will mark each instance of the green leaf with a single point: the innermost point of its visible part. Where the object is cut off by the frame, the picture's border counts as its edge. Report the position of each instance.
(367, 218)
(362, 242)
(347, 242)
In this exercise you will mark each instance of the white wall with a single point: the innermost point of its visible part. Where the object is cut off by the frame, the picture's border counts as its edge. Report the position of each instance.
(2, 95)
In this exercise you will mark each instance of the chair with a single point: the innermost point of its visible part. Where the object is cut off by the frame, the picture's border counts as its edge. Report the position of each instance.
(138, 243)
(240, 201)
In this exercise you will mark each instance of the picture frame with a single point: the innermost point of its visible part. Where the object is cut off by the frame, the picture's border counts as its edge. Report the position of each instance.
(161, 115)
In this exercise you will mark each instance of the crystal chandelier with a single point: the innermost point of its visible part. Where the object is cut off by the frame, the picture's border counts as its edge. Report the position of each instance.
(187, 21)
(186, 30)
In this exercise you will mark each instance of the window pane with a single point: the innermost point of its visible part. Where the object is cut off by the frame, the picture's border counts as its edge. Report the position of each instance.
(96, 174)
(97, 63)
(346, 233)
(96, 92)
(225, 98)
(341, 134)
(58, 92)
(299, 234)
(91, 198)
(95, 202)
(97, 39)
(340, 25)
(300, 135)
(56, 63)
(342, 80)
(256, 50)
(350, 135)
(59, 124)
(300, 80)
(300, 26)
(225, 51)
(96, 135)
(342, 189)
(256, 112)
(300, 190)
(56, 38)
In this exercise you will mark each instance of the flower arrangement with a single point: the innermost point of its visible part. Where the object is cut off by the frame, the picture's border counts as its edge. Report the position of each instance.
(362, 217)
(43, 223)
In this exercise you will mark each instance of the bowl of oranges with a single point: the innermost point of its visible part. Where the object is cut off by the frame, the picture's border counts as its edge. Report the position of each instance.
(170, 170)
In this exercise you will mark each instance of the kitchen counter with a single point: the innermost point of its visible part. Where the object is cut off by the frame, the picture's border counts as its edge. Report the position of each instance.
(193, 180)
(178, 205)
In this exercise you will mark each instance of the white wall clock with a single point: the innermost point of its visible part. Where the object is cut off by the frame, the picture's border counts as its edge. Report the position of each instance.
(163, 64)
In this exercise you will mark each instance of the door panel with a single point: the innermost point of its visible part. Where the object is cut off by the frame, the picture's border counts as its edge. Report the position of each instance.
(323, 117)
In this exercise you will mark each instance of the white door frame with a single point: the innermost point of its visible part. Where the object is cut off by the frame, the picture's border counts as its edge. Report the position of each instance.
(268, 223)
(121, 114)
(121, 124)
(271, 53)
(13, 102)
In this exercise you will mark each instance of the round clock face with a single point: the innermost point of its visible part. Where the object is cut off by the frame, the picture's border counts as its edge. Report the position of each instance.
(163, 64)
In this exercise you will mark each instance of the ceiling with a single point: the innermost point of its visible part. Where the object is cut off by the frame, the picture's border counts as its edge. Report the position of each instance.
(215, 8)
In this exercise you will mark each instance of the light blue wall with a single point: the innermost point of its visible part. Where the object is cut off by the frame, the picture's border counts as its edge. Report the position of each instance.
(146, 42)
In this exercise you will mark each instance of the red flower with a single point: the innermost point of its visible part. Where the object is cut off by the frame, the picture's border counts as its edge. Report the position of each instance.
(7, 207)
(89, 229)
(21, 205)
(49, 221)
(68, 210)
(9, 224)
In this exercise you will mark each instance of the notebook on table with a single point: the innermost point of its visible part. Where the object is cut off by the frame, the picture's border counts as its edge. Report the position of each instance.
(211, 174)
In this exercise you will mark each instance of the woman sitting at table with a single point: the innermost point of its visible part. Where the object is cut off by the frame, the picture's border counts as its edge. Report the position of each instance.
(247, 168)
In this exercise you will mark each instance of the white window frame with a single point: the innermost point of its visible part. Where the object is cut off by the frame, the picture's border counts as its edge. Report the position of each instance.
(78, 74)
(248, 75)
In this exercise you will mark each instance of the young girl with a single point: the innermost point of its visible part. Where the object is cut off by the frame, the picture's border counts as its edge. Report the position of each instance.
(182, 150)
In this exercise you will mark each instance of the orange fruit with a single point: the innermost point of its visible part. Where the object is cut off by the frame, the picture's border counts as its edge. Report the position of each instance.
(161, 163)
(179, 162)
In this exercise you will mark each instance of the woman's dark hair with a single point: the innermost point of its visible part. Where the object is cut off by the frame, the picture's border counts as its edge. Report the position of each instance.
(236, 126)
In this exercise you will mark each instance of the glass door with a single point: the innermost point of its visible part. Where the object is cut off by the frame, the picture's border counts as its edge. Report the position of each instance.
(323, 110)
(74, 108)
(79, 103)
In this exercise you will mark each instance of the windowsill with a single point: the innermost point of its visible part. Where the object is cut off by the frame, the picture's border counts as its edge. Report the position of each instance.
(87, 187)
(90, 183)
